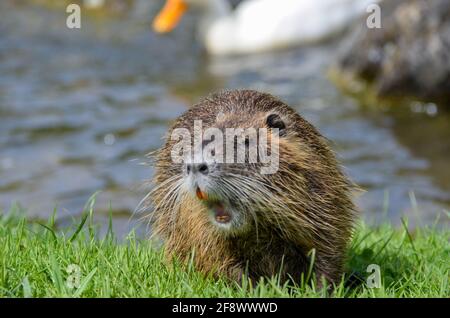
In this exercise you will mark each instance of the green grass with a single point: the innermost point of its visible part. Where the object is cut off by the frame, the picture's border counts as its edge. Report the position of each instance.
(35, 261)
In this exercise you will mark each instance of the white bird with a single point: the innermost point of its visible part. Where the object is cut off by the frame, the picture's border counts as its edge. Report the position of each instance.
(263, 25)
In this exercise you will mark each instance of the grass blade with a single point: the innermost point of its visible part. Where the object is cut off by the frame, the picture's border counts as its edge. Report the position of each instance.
(49, 229)
(79, 228)
(84, 283)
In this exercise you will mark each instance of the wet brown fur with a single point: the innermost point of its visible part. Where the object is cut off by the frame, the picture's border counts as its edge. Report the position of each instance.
(310, 209)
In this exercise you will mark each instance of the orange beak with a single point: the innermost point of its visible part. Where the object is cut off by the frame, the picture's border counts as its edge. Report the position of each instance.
(168, 18)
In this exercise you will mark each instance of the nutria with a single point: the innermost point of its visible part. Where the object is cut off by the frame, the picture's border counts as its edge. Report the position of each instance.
(231, 220)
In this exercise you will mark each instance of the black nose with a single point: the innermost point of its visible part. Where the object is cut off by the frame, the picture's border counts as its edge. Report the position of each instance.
(197, 167)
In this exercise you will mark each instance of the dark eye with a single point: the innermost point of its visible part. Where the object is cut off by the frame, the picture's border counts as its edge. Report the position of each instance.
(275, 121)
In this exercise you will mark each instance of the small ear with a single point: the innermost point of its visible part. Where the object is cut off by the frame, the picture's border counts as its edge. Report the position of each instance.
(220, 116)
(275, 121)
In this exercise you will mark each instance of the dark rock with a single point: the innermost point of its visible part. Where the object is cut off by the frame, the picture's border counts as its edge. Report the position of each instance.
(408, 55)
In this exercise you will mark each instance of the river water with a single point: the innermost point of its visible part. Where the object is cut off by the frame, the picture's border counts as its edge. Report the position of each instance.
(79, 109)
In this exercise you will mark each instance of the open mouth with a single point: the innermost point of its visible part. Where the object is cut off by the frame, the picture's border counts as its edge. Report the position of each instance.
(221, 215)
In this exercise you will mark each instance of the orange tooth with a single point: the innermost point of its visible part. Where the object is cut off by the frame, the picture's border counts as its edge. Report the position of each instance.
(200, 195)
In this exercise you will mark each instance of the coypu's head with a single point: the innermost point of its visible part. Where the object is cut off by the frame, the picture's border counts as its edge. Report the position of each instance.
(239, 149)
(243, 161)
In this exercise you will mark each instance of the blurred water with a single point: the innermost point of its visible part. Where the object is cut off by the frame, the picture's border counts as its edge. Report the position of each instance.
(79, 109)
